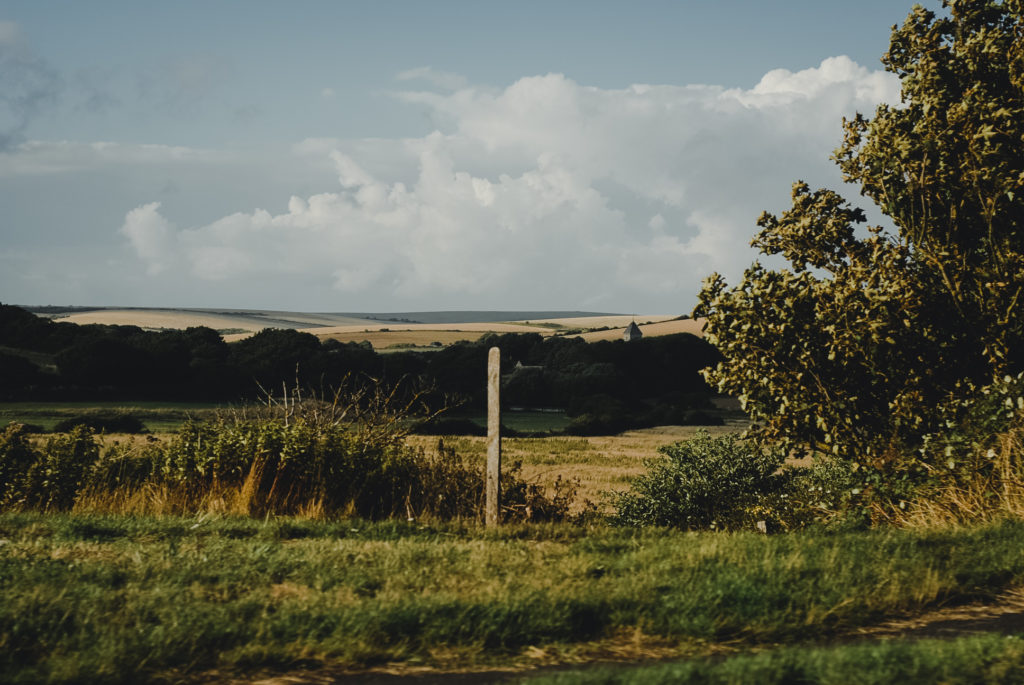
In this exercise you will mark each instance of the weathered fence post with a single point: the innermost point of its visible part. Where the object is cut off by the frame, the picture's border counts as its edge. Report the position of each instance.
(492, 510)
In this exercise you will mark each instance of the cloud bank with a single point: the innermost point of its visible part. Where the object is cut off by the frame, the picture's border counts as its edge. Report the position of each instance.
(28, 84)
(545, 194)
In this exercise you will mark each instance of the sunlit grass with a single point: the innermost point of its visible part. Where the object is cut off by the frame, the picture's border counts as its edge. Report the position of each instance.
(598, 463)
(970, 659)
(120, 598)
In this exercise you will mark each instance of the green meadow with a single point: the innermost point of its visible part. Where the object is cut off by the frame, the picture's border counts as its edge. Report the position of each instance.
(88, 598)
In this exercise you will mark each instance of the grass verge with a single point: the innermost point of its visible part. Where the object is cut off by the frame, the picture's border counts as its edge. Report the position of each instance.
(973, 659)
(124, 599)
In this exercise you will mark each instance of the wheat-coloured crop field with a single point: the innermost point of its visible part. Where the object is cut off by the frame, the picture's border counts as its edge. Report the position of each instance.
(379, 331)
(655, 328)
(599, 464)
(242, 320)
(387, 334)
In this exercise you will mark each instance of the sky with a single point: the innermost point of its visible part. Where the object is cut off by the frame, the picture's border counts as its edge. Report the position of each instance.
(393, 155)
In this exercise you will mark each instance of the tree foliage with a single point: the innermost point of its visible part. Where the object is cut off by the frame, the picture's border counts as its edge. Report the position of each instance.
(873, 338)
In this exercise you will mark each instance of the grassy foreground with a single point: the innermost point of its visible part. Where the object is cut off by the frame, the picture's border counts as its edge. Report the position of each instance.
(123, 599)
(975, 659)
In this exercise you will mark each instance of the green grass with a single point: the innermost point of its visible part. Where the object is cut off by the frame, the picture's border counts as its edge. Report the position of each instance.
(974, 659)
(161, 417)
(522, 421)
(549, 451)
(44, 361)
(124, 599)
(158, 416)
(529, 421)
(534, 421)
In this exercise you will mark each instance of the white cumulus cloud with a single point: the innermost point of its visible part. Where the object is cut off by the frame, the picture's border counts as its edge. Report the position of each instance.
(544, 194)
(151, 235)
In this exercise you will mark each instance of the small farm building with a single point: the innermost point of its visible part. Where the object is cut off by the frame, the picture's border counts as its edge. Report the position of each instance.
(632, 332)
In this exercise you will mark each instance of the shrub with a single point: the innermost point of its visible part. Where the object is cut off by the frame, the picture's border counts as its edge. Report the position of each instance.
(597, 424)
(285, 466)
(102, 422)
(702, 483)
(451, 426)
(125, 467)
(33, 428)
(55, 480)
(16, 457)
(346, 457)
(49, 478)
(447, 487)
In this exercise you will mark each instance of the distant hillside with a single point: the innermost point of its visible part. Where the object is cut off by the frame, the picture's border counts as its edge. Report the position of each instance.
(383, 330)
(304, 319)
(609, 386)
(475, 316)
(252, 320)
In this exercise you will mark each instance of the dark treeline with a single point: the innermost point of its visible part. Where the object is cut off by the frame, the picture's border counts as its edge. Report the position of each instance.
(49, 360)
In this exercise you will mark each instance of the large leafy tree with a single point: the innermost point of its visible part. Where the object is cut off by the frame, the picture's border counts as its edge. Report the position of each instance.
(873, 341)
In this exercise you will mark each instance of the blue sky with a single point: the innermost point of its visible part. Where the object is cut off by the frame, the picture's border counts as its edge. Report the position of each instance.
(356, 156)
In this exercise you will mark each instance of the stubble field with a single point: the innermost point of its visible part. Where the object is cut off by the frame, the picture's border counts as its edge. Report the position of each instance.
(382, 331)
(598, 464)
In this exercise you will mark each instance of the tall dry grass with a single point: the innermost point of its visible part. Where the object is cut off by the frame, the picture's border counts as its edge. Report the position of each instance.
(992, 489)
(343, 456)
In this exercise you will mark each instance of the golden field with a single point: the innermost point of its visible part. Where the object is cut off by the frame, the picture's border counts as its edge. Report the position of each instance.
(239, 324)
(244, 320)
(598, 463)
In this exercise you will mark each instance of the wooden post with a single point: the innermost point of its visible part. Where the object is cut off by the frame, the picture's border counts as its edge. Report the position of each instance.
(492, 510)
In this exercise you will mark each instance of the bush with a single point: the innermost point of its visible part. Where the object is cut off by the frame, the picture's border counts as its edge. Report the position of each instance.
(286, 466)
(703, 483)
(594, 424)
(699, 417)
(16, 457)
(126, 467)
(33, 428)
(611, 423)
(453, 426)
(102, 422)
(54, 481)
(346, 457)
(49, 478)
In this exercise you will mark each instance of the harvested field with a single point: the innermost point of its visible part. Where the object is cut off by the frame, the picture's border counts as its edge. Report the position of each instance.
(382, 340)
(381, 333)
(600, 463)
(387, 333)
(694, 326)
(613, 321)
(251, 321)
(471, 327)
